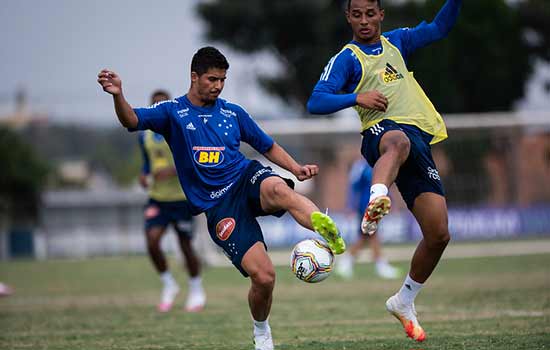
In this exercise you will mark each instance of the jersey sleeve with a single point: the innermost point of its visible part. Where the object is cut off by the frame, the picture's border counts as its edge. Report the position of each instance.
(326, 97)
(155, 117)
(252, 134)
(427, 33)
(146, 168)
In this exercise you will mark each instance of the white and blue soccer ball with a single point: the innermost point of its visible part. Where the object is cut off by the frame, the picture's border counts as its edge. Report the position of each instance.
(311, 260)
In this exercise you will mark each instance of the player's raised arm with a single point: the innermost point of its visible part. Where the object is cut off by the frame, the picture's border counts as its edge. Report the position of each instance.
(279, 156)
(427, 33)
(112, 84)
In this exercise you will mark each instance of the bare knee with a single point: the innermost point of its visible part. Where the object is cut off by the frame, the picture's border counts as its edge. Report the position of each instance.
(438, 237)
(402, 147)
(264, 279)
(280, 192)
(397, 144)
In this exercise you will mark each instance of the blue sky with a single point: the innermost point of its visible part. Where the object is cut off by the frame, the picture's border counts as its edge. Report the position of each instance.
(55, 48)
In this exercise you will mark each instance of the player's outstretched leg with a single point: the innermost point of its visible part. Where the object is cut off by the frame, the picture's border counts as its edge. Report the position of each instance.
(326, 227)
(376, 210)
(406, 314)
(275, 195)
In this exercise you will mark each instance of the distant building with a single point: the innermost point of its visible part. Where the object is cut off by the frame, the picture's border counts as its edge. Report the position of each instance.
(23, 115)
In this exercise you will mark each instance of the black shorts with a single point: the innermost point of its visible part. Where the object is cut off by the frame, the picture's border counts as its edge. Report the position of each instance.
(162, 214)
(232, 223)
(418, 174)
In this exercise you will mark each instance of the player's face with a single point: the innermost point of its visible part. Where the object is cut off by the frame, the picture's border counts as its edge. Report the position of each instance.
(365, 18)
(209, 85)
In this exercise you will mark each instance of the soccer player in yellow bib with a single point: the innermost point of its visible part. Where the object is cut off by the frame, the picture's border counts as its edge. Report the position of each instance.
(399, 123)
(168, 205)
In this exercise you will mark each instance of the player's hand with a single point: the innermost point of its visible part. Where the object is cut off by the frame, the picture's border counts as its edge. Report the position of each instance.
(307, 172)
(143, 181)
(110, 82)
(372, 100)
(164, 174)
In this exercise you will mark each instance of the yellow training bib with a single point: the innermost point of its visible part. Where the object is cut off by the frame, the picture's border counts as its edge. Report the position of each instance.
(407, 102)
(160, 157)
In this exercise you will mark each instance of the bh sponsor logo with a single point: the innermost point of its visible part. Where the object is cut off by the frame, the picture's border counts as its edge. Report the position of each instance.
(208, 156)
(224, 228)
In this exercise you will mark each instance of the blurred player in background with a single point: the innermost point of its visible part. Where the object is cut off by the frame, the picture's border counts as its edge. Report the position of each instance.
(5, 290)
(358, 198)
(399, 123)
(167, 205)
(204, 133)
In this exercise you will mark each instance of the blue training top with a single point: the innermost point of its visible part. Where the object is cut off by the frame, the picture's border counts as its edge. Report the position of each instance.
(343, 71)
(205, 144)
(360, 178)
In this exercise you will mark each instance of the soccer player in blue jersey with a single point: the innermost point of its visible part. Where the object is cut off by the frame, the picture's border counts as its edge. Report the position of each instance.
(204, 133)
(167, 205)
(399, 123)
(360, 177)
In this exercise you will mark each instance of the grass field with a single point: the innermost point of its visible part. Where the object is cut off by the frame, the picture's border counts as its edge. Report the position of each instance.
(473, 304)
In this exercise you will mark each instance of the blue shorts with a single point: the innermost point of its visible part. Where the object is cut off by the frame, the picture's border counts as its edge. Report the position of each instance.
(232, 223)
(418, 174)
(162, 214)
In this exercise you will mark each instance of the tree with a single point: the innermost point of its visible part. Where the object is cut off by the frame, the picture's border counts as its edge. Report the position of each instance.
(23, 175)
(482, 66)
(110, 150)
(302, 34)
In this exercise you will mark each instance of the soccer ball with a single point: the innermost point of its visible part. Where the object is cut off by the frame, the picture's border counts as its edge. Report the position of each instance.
(311, 260)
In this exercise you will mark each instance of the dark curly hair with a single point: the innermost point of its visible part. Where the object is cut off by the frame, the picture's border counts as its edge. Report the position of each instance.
(379, 2)
(162, 94)
(206, 58)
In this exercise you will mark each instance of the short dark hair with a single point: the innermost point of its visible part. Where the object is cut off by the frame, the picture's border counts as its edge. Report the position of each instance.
(160, 92)
(206, 58)
(379, 2)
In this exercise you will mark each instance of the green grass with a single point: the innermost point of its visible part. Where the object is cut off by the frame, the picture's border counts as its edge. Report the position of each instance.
(473, 304)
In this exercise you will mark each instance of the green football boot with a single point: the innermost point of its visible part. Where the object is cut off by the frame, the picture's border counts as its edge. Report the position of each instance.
(326, 227)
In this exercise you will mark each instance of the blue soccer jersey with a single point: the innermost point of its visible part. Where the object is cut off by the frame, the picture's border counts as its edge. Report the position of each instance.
(205, 144)
(342, 74)
(360, 178)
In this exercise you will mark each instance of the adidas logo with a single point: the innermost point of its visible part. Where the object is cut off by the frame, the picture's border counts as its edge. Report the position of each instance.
(376, 129)
(190, 126)
(391, 74)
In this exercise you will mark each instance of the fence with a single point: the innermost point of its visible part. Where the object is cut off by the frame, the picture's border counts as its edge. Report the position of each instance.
(495, 168)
